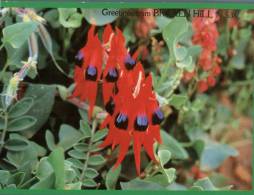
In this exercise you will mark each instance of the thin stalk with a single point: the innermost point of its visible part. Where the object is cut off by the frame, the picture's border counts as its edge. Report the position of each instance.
(3, 70)
(88, 153)
(4, 132)
(1, 46)
(27, 182)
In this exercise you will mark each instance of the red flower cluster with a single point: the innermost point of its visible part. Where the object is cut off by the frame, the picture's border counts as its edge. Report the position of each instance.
(145, 23)
(133, 111)
(206, 35)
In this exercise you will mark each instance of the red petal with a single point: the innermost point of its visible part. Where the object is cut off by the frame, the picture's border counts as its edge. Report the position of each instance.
(137, 149)
(107, 33)
(124, 146)
(148, 145)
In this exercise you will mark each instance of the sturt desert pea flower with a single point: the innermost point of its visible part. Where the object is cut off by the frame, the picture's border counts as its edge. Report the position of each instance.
(133, 111)
(86, 77)
(136, 116)
(113, 65)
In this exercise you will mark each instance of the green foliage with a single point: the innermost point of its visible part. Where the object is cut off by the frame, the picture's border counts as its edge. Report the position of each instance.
(195, 130)
(18, 33)
(96, 17)
(69, 18)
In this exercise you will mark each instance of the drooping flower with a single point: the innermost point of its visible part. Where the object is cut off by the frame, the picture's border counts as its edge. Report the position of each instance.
(136, 116)
(86, 77)
(133, 111)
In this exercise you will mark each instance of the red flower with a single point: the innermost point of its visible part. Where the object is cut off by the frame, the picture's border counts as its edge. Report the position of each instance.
(206, 35)
(202, 86)
(187, 76)
(136, 116)
(86, 77)
(133, 111)
(211, 81)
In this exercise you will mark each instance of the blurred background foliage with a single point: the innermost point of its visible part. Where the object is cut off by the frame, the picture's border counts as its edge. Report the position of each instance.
(47, 141)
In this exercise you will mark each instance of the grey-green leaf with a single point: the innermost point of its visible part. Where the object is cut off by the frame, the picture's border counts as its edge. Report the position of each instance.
(171, 144)
(96, 160)
(21, 107)
(21, 123)
(17, 34)
(56, 159)
(16, 145)
(112, 177)
(91, 173)
(89, 183)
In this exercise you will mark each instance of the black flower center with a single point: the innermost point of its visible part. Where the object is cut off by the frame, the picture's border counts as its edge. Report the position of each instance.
(121, 121)
(110, 106)
(141, 123)
(129, 62)
(112, 75)
(157, 117)
(91, 73)
(79, 58)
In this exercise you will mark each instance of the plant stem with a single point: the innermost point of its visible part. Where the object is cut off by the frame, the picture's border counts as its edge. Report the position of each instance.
(4, 132)
(3, 70)
(27, 182)
(1, 46)
(88, 153)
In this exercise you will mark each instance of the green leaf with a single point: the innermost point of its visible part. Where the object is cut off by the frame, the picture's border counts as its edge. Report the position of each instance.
(4, 177)
(56, 159)
(21, 123)
(99, 135)
(171, 174)
(26, 157)
(161, 179)
(68, 136)
(45, 183)
(96, 147)
(112, 177)
(186, 63)
(180, 53)
(138, 184)
(171, 144)
(85, 128)
(21, 107)
(76, 163)
(73, 186)
(17, 34)
(178, 100)
(89, 183)
(17, 178)
(175, 28)
(91, 173)
(77, 154)
(69, 17)
(50, 140)
(83, 147)
(214, 154)
(96, 160)
(51, 16)
(16, 145)
(205, 184)
(44, 169)
(162, 22)
(16, 55)
(44, 98)
(96, 17)
(164, 156)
